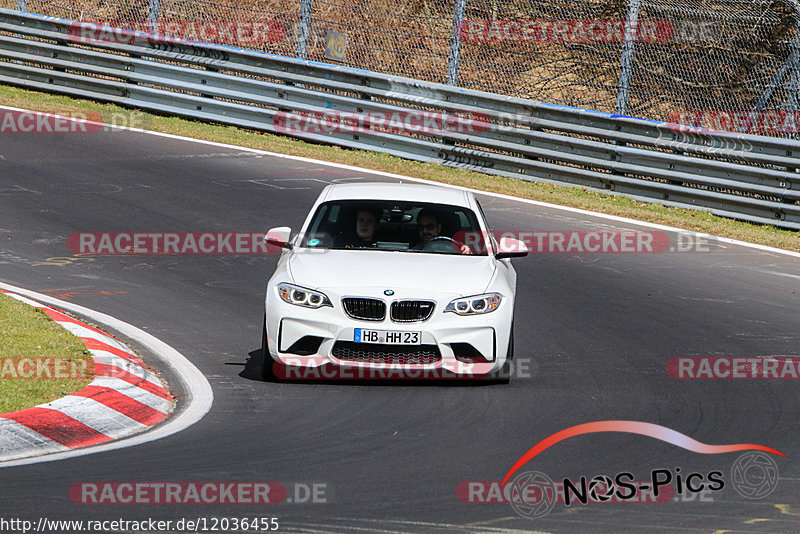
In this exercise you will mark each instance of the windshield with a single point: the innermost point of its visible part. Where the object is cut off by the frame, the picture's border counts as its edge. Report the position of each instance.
(413, 227)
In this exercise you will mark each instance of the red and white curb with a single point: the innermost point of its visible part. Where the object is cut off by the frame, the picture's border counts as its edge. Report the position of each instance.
(126, 397)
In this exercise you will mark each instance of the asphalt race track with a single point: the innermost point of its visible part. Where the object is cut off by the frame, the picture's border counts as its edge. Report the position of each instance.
(593, 330)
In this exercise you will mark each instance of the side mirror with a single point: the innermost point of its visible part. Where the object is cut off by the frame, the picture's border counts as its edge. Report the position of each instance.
(279, 237)
(511, 248)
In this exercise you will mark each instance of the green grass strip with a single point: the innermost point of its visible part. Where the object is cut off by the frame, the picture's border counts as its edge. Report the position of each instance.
(33, 344)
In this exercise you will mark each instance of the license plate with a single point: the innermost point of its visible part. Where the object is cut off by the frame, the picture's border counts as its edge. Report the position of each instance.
(387, 337)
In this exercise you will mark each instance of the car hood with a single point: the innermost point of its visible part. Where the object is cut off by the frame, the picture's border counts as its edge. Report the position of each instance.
(349, 270)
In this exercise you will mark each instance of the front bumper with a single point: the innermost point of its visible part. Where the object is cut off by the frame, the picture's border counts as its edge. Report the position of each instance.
(450, 343)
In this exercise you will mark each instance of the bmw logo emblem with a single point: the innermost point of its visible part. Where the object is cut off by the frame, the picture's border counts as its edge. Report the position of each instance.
(388, 292)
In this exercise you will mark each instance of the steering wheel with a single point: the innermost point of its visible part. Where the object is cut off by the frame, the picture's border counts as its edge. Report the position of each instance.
(442, 243)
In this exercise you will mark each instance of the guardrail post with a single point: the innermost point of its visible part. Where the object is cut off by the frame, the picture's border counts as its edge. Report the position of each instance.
(22, 5)
(626, 69)
(153, 13)
(304, 29)
(455, 42)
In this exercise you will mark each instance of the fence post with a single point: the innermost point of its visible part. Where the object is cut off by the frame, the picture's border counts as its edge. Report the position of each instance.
(790, 70)
(304, 30)
(455, 42)
(22, 5)
(626, 69)
(793, 102)
(153, 13)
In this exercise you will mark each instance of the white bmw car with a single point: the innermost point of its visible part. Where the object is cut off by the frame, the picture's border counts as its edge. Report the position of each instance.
(390, 280)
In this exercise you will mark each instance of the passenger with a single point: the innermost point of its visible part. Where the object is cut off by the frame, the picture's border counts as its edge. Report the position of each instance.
(366, 225)
(367, 220)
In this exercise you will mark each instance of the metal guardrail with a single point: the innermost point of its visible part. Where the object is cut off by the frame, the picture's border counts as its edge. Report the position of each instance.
(741, 176)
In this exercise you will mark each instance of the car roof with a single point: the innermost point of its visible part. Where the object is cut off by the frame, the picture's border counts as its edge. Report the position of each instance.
(397, 191)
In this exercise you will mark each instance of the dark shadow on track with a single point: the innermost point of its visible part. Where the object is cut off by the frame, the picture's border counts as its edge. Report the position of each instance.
(252, 371)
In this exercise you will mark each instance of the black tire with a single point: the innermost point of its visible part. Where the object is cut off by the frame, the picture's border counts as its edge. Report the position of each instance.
(267, 372)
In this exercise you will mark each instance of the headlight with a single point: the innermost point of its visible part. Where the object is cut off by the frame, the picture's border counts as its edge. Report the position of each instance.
(301, 296)
(475, 305)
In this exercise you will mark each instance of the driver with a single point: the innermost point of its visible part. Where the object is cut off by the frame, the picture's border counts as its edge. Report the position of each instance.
(428, 227)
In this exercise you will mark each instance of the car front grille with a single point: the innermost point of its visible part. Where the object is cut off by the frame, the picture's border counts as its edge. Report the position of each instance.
(364, 308)
(408, 311)
(386, 354)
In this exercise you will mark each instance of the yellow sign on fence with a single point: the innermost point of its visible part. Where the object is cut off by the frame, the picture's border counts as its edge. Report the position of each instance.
(335, 45)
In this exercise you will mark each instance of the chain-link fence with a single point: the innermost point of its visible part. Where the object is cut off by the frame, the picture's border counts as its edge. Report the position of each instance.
(726, 64)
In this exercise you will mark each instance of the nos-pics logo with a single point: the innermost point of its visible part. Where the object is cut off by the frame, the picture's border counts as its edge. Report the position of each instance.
(532, 494)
